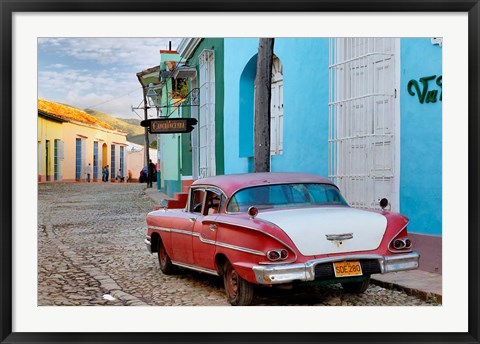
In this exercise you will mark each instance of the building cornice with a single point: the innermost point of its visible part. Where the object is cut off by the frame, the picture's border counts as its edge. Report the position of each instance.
(50, 116)
(187, 46)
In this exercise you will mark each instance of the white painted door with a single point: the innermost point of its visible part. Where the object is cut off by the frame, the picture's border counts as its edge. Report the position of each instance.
(363, 120)
(195, 131)
(207, 114)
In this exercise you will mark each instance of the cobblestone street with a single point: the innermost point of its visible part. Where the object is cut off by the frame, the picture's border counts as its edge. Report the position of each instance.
(91, 252)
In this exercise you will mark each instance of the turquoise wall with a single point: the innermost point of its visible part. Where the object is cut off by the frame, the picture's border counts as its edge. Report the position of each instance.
(171, 165)
(420, 138)
(305, 80)
(169, 144)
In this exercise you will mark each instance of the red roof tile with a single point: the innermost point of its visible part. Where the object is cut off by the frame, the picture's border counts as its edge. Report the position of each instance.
(72, 114)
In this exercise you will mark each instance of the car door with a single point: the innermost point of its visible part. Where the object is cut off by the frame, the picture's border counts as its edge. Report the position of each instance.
(205, 230)
(182, 231)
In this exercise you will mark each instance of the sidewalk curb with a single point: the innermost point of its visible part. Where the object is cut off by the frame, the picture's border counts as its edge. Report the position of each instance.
(421, 294)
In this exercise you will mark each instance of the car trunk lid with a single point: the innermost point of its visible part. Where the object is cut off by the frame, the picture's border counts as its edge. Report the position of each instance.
(329, 230)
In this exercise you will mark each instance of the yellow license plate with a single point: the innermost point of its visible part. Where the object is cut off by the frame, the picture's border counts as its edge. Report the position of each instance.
(345, 269)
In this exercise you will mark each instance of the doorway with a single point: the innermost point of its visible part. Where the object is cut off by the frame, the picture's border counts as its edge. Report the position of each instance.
(47, 160)
(364, 120)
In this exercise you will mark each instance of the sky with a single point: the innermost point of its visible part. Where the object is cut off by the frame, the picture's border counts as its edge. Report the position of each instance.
(97, 73)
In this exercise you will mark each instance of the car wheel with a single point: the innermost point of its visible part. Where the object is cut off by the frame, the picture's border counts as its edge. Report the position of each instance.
(165, 263)
(356, 287)
(239, 291)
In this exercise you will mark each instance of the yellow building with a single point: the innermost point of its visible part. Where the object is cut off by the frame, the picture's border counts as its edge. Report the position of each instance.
(70, 139)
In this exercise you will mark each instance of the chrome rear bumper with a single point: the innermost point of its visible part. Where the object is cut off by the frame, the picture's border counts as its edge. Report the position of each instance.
(276, 274)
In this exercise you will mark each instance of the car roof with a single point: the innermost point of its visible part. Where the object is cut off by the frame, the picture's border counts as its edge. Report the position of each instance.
(230, 183)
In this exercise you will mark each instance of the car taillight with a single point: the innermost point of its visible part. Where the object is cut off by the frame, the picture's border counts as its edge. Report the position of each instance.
(276, 255)
(401, 242)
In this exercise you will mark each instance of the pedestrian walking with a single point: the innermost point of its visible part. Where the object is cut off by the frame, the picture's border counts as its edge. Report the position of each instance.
(107, 173)
(120, 176)
(104, 174)
(88, 171)
(151, 171)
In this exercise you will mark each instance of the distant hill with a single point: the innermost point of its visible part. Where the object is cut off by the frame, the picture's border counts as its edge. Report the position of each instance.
(135, 132)
(133, 121)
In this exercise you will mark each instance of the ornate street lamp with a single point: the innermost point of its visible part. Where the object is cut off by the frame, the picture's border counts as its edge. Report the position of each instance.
(153, 98)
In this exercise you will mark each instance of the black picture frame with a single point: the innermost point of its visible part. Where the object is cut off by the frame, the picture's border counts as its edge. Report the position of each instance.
(9, 7)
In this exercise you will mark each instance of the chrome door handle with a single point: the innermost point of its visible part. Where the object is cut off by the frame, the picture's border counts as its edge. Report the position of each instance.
(191, 219)
(213, 227)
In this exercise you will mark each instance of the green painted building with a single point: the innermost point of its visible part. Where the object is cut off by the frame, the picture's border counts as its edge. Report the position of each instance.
(192, 86)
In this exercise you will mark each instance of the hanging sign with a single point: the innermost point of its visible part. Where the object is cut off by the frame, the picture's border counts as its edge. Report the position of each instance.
(169, 126)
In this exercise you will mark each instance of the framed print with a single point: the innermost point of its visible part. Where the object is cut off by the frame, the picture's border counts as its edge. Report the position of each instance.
(356, 95)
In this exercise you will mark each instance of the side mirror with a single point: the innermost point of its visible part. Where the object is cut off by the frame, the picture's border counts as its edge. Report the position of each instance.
(164, 203)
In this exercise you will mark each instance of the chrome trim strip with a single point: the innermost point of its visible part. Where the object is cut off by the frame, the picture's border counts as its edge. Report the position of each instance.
(276, 262)
(163, 229)
(242, 249)
(207, 187)
(257, 230)
(211, 242)
(206, 241)
(171, 230)
(233, 247)
(196, 268)
(235, 224)
(181, 231)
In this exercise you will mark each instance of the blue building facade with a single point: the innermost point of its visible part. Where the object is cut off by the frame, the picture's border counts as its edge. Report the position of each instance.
(366, 112)
(304, 74)
(421, 134)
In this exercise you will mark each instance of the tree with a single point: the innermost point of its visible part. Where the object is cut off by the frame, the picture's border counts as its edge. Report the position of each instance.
(263, 85)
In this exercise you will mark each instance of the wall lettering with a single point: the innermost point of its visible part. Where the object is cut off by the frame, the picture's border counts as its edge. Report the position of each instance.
(424, 94)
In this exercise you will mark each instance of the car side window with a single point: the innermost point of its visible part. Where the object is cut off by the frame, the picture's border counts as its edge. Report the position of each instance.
(213, 203)
(196, 200)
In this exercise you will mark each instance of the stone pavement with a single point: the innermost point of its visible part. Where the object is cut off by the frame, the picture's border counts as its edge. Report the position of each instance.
(91, 251)
(422, 284)
(156, 195)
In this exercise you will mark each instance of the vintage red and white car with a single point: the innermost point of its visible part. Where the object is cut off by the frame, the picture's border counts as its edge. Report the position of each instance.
(277, 229)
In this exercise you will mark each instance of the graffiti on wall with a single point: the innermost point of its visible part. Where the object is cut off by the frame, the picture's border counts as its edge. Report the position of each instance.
(426, 89)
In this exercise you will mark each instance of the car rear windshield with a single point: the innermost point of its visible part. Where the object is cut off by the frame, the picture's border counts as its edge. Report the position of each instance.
(285, 195)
